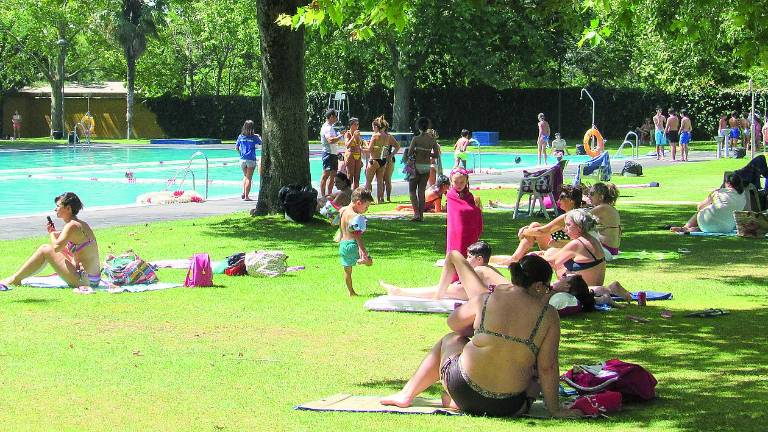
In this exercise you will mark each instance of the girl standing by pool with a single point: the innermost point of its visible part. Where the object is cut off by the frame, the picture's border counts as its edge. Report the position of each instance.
(246, 146)
(72, 252)
(353, 155)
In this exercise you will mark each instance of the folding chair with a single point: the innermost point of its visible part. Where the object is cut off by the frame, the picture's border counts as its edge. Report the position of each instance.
(537, 187)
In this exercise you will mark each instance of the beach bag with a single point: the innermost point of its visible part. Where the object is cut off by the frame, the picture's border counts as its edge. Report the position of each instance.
(632, 169)
(199, 273)
(598, 404)
(739, 152)
(299, 203)
(236, 265)
(627, 378)
(751, 224)
(266, 263)
(128, 269)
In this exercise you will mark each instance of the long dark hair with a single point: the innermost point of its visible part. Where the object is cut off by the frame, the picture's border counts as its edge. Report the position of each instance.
(248, 128)
(578, 288)
(735, 181)
(70, 199)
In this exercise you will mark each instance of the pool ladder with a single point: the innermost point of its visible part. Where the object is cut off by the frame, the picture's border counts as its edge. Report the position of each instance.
(187, 170)
(633, 146)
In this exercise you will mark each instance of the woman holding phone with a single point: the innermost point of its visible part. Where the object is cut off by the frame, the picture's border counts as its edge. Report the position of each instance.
(72, 252)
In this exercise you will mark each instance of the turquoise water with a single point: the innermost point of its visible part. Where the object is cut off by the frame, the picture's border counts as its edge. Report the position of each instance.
(31, 178)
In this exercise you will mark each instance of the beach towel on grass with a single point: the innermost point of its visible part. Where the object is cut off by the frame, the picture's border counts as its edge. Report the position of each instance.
(389, 303)
(54, 281)
(645, 255)
(465, 221)
(711, 234)
(649, 296)
(370, 404)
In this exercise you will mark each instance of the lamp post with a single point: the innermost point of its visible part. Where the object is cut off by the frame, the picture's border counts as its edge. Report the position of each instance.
(59, 121)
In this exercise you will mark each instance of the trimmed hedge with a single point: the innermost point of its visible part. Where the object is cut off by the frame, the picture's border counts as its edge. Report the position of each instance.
(511, 112)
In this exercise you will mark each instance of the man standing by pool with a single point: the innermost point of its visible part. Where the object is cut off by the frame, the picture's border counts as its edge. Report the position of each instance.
(734, 124)
(659, 122)
(329, 137)
(673, 132)
(16, 120)
(543, 140)
(685, 135)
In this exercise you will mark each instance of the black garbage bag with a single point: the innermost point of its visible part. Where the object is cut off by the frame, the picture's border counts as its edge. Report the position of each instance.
(298, 202)
(632, 168)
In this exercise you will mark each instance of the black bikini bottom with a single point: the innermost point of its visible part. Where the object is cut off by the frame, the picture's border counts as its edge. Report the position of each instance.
(472, 399)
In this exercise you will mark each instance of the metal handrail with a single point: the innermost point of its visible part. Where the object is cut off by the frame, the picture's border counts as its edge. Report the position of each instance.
(634, 146)
(188, 170)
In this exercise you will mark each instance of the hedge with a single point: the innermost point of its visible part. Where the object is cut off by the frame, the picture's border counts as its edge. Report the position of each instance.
(511, 112)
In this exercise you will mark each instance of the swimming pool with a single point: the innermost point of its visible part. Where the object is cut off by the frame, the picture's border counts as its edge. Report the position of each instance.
(31, 178)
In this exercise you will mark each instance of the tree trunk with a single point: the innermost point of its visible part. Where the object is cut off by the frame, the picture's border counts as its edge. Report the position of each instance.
(401, 105)
(285, 153)
(129, 97)
(57, 97)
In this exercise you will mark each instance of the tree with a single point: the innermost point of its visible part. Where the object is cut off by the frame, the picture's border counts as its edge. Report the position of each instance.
(285, 154)
(131, 27)
(45, 32)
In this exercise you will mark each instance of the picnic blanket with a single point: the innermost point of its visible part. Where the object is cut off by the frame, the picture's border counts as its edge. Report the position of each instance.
(218, 267)
(388, 303)
(343, 402)
(54, 281)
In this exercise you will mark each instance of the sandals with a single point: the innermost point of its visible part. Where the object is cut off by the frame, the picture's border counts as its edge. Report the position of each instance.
(4, 287)
(708, 313)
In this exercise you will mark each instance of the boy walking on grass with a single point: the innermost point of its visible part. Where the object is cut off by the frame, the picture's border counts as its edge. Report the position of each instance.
(351, 228)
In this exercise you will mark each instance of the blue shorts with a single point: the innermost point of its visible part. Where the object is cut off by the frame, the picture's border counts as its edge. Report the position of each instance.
(330, 162)
(349, 253)
(734, 133)
(661, 139)
(685, 137)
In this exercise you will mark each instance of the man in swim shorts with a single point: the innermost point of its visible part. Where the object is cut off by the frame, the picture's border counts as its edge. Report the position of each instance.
(543, 140)
(734, 124)
(659, 122)
(329, 138)
(16, 120)
(673, 131)
(685, 135)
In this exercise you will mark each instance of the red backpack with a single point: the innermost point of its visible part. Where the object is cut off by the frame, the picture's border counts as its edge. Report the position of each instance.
(627, 378)
(200, 273)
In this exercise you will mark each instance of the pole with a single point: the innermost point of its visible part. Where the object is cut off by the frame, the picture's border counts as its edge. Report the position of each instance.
(593, 104)
(752, 122)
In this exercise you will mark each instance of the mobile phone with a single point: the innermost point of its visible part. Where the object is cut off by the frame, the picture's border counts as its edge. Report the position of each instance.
(50, 222)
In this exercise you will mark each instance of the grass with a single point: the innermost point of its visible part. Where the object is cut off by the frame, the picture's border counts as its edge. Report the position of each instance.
(240, 355)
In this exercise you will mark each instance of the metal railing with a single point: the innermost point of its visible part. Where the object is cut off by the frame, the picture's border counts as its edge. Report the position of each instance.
(188, 170)
(634, 146)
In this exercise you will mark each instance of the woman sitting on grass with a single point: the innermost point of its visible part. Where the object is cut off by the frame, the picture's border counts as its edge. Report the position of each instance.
(72, 252)
(715, 214)
(494, 372)
(583, 255)
(603, 197)
(546, 236)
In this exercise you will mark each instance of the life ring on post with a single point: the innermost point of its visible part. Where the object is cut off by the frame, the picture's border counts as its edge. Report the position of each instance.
(593, 132)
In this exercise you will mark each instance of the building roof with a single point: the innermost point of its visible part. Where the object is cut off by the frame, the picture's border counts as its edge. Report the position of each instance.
(104, 89)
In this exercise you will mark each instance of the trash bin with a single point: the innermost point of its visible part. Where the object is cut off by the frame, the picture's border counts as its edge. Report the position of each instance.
(73, 138)
(57, 134)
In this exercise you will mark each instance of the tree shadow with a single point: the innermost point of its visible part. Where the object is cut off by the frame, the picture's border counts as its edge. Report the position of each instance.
(36, 301)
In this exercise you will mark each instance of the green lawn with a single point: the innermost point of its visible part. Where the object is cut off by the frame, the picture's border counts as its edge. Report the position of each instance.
(240, 355)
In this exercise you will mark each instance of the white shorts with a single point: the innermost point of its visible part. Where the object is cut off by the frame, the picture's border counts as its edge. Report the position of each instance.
(247, 163)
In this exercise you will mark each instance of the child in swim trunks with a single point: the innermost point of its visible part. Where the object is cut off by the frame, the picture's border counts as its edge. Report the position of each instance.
(460, 149)
(351, 228)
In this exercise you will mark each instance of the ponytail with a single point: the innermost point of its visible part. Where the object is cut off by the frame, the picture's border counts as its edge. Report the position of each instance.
(381, 123)
(529, 270)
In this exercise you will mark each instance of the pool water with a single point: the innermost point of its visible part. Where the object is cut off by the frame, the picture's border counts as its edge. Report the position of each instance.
(31, 178)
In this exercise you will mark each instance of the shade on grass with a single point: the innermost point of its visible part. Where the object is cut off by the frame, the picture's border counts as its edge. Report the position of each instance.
(240, 355)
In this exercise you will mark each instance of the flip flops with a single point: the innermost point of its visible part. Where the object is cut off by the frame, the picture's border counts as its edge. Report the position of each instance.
(4, 287)
(708, 313)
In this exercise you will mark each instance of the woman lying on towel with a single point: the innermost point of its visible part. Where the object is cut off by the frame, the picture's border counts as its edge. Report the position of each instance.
(546, 236)
(715, 214)
(478, 255)
(603, 197)
(506, 363)
(72, 252)
(583, 255)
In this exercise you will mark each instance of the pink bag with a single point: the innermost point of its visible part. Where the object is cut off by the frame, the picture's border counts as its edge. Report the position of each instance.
(199, 273)
(598, 404)
(627, 378)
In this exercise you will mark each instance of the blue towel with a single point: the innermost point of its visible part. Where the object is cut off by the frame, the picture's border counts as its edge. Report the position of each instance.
(713, 234)
(593, 165)
(649, 296)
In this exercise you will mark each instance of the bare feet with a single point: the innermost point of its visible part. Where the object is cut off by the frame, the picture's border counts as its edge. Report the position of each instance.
(9, 281)
(400, 399)
(352, 293)
(391, 289)
(679, 229)
(616, 289)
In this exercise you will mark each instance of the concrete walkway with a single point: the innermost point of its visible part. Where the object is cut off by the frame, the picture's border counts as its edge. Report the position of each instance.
(26, 226)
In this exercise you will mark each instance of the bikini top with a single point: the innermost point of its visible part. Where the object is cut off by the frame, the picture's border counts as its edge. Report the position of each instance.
(354, 143)
(574, 266)
(75, 247)
(527, 341)
(377, 144)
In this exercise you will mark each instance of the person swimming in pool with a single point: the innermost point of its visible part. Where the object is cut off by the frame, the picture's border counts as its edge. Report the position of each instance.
(72, 252)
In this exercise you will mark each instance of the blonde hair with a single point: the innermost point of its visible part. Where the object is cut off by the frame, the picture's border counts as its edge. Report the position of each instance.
(609, 192)
(381, 123)
(583, 219)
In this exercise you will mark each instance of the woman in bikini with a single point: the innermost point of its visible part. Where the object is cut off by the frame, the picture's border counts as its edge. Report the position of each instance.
(73, 252)
(422, 149)
(353, 155)
(603, 197)
(390, 151)
(583, 255)
(378, 161)
(492, 365)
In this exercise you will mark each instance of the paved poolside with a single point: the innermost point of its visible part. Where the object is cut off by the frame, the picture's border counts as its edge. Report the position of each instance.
(23, 226)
